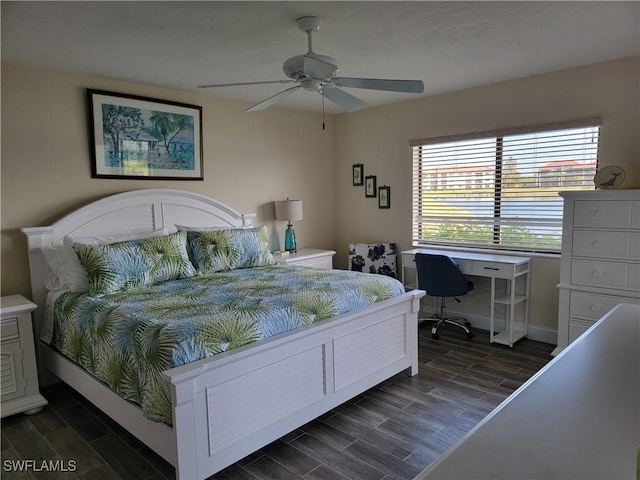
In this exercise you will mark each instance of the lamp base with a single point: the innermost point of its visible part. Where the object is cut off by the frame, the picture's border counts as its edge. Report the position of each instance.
(290, 239)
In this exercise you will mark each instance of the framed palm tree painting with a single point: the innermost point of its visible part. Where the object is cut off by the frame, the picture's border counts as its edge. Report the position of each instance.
(144, 138)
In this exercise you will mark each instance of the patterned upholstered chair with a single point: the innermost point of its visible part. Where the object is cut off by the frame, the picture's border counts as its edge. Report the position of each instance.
(373, 258)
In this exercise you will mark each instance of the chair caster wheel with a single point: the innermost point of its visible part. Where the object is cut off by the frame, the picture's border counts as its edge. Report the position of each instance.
(435, 336)
(469, 335)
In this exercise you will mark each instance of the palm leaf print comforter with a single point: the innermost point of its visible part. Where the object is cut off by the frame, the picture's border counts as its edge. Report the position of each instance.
(126, 339)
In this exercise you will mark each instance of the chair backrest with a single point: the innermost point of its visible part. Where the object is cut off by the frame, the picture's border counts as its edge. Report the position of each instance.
(439, 276)
(373, 258)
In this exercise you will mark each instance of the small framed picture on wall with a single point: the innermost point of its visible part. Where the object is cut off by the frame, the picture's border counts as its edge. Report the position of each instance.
(358, 175)
(370, 186)
(384, 197)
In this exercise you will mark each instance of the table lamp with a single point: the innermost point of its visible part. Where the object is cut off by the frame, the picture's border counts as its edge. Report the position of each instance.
(289, 210)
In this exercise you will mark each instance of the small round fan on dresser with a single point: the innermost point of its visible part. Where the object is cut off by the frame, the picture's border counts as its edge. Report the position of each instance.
(608, 178)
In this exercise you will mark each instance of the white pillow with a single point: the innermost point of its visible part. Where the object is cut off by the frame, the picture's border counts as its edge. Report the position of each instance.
(53, 266)
(65, 264)
(73, 276)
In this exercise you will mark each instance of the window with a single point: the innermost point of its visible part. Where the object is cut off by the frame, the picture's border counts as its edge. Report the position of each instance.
(500, 189)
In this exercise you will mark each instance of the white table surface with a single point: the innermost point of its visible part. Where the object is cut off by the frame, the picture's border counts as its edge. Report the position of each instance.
(578, 418)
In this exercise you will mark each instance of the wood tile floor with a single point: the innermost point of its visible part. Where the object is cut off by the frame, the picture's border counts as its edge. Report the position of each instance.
(392, 431)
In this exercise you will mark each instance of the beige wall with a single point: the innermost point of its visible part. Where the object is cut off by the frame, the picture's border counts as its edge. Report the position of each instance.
(253, 159)
(379, 139)
(250, 160)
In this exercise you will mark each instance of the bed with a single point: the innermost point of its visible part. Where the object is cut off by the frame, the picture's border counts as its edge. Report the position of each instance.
(228, 405)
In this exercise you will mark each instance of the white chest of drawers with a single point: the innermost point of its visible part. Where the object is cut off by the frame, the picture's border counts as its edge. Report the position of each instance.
(600, 264)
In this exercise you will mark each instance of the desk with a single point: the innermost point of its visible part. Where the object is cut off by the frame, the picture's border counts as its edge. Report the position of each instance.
(505, 267)
(578, 417)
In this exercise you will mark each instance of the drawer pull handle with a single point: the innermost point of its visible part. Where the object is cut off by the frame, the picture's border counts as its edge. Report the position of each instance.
(596, 274)
(491, 268)
(597, 244)
(595, 308)
(599, 213)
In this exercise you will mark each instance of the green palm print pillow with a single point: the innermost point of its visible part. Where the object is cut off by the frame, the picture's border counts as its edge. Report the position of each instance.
(220, 250)
(118, 266)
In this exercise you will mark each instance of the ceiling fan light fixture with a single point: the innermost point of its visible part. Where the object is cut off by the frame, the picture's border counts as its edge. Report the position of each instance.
(310, 84)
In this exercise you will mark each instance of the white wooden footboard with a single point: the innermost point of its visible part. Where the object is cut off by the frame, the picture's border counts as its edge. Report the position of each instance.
(227, 408)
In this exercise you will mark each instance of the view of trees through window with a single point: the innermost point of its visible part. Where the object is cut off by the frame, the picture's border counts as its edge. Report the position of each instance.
(500, 190)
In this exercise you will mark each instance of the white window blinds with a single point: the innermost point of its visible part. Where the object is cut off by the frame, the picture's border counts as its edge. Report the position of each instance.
(500, 189)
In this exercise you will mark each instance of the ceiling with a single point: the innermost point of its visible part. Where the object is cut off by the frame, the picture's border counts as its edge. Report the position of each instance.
(448, 45)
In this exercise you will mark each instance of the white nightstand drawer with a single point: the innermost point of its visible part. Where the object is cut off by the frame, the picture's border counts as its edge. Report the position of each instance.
(9, 328)
(322, 262)
(307, 257)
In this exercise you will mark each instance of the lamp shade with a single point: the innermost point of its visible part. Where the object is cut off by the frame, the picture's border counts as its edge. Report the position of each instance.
(289, 210)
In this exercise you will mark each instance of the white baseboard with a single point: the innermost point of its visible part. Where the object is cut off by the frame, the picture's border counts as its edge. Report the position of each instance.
(540, 334)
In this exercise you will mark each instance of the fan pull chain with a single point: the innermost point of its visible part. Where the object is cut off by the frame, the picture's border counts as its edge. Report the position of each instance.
(323, 109)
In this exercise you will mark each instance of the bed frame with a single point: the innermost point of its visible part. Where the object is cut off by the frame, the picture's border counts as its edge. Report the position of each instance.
(234, 403)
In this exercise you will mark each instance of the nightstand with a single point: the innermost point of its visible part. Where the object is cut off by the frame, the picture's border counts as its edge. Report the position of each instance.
(20, 390)
(307, 257)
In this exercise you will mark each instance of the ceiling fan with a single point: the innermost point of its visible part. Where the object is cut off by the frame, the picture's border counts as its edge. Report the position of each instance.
(316, 73)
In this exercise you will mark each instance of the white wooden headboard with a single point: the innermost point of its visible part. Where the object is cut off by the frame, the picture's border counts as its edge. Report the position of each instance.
(125, 213)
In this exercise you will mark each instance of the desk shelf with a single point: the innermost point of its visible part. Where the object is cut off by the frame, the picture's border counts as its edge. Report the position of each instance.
(511, 333)
(505, 337)
(506, 299)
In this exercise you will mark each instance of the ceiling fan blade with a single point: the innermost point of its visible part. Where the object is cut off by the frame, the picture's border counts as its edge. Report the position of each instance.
(272, 99)
(244, 83)
(408, 86)
(344, 100)
(318, 69)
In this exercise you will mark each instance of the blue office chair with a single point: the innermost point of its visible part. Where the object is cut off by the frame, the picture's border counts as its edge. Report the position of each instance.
(439, 276)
